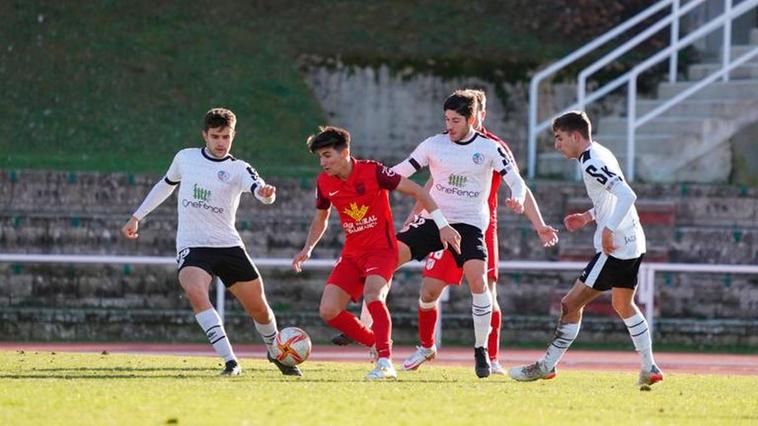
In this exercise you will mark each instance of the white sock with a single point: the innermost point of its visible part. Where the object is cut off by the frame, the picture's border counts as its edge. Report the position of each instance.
(366, 317)
(640, 334)
(565, 334)
(268, 331)
(481, 312)
(211, 324)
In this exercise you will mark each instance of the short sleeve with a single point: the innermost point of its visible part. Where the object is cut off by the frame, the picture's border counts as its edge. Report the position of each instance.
(173, 175)
(387, 178)
(322, 203)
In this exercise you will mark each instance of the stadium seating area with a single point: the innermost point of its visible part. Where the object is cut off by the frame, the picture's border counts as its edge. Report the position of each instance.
(81, 213)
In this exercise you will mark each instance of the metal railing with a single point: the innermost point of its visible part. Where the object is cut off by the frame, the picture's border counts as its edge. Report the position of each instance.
(675, 44)
(645, 289)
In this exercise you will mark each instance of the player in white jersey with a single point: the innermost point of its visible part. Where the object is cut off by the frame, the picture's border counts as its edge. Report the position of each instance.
(620, 245)
(207, 243)
(461, 162)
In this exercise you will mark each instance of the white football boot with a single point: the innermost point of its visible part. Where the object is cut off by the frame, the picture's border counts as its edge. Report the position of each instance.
(383, 370)
(419, 357)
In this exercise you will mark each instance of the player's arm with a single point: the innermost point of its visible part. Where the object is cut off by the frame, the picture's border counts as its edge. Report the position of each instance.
(161, 190)
(417, 205)
(448, 235)
(264, 192)
(547, 234)
(576, 221)
(505, 165)
(625, 198)
(316, 231)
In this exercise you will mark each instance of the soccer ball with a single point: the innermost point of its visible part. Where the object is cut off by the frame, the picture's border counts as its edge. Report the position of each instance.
(292, 346)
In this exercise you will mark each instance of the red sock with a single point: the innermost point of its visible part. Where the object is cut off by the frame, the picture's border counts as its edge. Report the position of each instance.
(382, 327)
(427, 321)
(353, 328)
(493, 341)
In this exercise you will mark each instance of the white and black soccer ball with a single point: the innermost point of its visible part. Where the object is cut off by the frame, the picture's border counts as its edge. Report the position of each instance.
(292, 346)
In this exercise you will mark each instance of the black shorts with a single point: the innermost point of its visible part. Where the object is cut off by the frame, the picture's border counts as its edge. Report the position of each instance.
(230, 264)
(423, 237)
(604, 272)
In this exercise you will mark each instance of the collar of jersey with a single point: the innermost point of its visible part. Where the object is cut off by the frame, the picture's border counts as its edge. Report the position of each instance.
(468, 141)
(212, 158)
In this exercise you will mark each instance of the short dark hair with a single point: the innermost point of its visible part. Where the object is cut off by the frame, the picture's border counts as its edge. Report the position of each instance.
(574, 121)
(329, 137)
(219, 117)
(461, 101)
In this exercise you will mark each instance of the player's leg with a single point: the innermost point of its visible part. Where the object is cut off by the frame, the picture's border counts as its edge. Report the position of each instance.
(493, 340)
(481, 311)
(375, 292)
(333, 310)
(196, 282)
(431, 289)
(253, 299)
(625, 278)
(566, 331)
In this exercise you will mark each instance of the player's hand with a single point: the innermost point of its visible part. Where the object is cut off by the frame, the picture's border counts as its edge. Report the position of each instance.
(608, 247)
(450, 238)
(575, 221)
(515, 205)
(548, 235)
(267, 191)
(297, 261)
(130, 229)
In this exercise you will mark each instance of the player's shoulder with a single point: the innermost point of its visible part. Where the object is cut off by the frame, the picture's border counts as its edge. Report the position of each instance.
(596, 154)
(438, 138)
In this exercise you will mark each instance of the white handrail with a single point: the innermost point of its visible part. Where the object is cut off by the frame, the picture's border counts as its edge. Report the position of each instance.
(632, 121)
(568, 59)
(629, 45)
(583, 98)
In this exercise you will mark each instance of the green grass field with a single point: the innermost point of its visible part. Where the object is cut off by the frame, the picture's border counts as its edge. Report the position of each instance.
(62, 388)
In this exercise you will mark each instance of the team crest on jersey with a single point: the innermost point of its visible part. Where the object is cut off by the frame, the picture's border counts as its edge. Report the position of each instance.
(224, 176)
(477, 158)
(356, 212)
(360, 188)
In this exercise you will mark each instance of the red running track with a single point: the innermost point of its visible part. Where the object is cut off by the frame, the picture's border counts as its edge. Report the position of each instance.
(695, 363)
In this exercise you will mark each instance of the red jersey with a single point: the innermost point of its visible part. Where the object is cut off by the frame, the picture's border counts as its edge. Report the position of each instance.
(496, 178)
(363, 204)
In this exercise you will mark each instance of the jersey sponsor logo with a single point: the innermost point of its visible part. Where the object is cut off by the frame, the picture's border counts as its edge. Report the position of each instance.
(201, 194)
(477, 158)
(456, 180)
(456, 191)
(387, 171)
(356, 212)
(202, 197)
(223, 176)
(331, 194)
(630, 239)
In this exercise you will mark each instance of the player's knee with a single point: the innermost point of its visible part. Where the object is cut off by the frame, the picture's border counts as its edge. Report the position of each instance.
(429, 295)
(328, 312)
(568, 307)
(623, 307)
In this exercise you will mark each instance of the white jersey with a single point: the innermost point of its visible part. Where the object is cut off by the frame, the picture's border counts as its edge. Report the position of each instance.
(209, 194)
(607, 188)
(461, 174)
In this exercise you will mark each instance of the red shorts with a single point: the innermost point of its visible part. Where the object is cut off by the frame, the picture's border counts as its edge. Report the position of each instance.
(350, 272)
(441, 264)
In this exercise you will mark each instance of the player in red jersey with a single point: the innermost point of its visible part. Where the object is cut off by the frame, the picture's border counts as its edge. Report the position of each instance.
(358, 189)
(441, 270)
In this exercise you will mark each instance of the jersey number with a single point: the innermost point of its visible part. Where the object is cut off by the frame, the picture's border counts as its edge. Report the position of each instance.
(601, 177)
